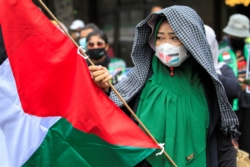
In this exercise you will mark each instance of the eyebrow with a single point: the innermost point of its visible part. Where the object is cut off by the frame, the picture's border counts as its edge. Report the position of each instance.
(170, 33)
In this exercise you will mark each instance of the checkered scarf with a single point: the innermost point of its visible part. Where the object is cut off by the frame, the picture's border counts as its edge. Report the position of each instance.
(189, 28)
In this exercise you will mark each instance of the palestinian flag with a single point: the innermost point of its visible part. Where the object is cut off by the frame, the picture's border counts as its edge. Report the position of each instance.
(51, 112)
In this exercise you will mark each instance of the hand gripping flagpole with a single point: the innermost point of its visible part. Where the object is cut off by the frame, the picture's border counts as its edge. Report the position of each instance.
(82, 53)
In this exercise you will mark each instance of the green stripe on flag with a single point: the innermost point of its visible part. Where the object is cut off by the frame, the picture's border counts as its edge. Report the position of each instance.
(64, 146)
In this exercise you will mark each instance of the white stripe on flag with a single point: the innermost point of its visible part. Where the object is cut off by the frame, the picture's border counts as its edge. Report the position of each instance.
(226, 56)
(20, 133)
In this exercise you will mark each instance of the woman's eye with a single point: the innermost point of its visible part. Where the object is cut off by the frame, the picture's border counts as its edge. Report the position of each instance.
(175, 38)
(159, 38)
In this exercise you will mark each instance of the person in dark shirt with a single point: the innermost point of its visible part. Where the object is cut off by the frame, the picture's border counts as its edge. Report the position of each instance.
(97, 47)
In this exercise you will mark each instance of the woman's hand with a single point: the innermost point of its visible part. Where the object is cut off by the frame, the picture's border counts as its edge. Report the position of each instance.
(101, 76)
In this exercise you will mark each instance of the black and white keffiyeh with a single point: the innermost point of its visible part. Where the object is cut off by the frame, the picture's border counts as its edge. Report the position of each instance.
(189, 28)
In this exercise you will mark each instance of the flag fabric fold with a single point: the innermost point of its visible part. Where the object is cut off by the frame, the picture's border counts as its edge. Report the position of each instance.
(52, 114)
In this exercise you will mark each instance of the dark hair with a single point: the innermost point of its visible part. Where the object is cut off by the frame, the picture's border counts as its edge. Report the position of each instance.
(99, 33)
(91, 26)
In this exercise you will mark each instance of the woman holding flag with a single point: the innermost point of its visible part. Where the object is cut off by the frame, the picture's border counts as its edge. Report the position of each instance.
(175, 91)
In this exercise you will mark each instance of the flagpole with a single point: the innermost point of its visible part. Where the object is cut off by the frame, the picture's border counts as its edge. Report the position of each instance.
(111, 86)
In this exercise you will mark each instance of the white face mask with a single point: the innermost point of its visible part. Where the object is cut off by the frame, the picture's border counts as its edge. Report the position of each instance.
(171, 55)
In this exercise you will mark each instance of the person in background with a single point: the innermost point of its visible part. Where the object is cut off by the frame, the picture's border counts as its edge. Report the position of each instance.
(175, 91)
(234, 51)
(75, 29)
(155, 8)
(225, 73)
(90, 27)
(97, 47)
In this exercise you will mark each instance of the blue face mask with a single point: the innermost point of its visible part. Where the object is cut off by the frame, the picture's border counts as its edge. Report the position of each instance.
(83, 43)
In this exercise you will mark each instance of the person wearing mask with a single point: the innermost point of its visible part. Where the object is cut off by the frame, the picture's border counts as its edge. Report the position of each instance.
(75, 29)
(175, 91)
(234, 51)
(84, 33)
(97, 47)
